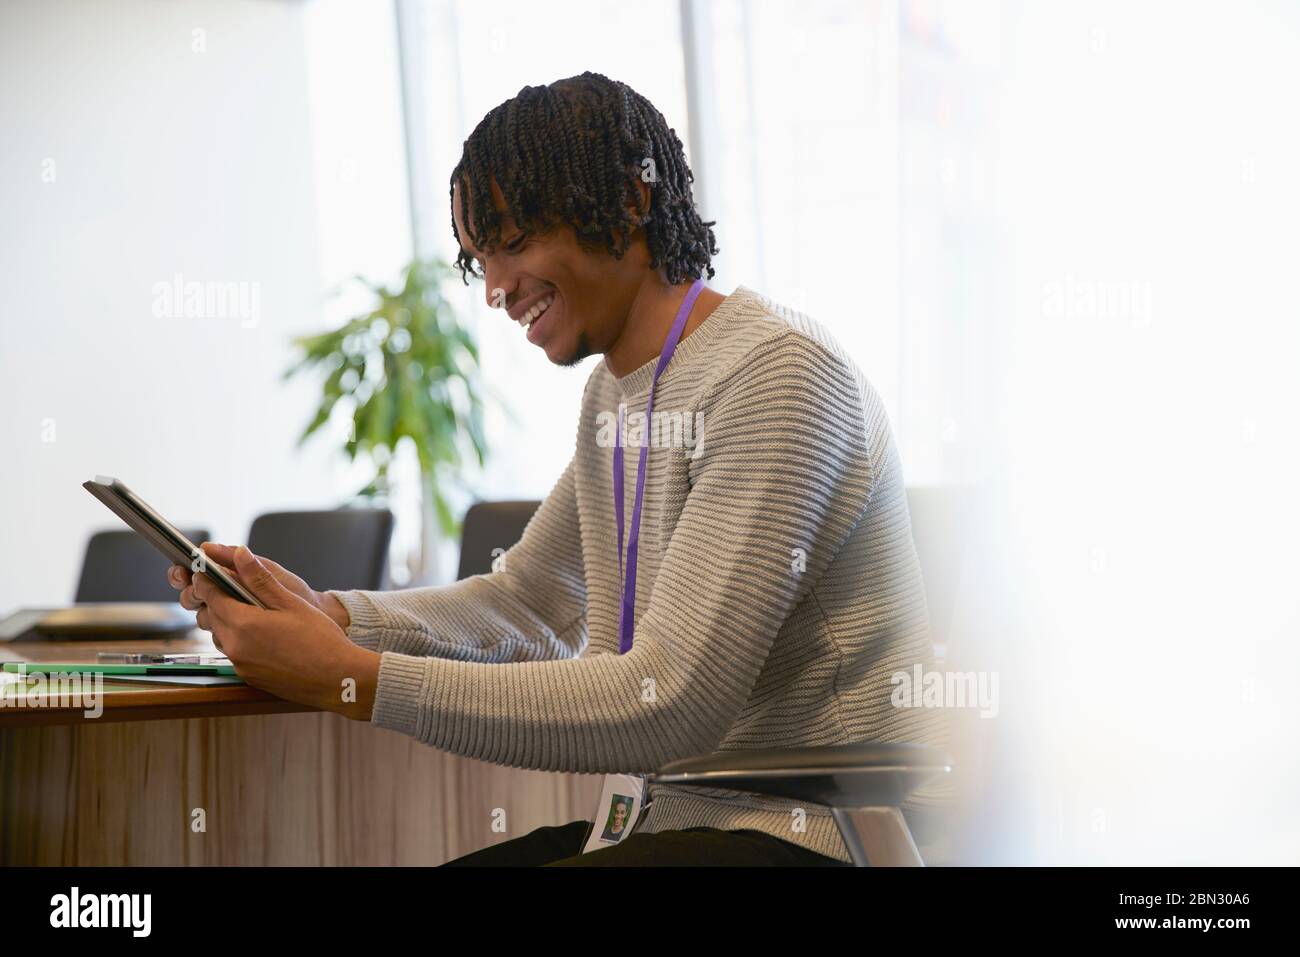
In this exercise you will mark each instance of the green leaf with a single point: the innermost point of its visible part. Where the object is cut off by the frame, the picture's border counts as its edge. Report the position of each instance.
(431, 393)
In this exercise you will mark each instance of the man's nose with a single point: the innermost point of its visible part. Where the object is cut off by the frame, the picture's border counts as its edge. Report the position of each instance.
(497, 287)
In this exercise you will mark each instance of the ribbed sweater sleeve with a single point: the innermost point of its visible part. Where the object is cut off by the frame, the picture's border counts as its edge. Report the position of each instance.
(784, 467)
(531, 609)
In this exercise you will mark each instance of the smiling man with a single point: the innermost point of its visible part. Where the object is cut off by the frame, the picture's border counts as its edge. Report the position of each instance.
(757, 591)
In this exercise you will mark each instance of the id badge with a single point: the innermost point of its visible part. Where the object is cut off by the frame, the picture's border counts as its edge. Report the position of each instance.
(618, 812)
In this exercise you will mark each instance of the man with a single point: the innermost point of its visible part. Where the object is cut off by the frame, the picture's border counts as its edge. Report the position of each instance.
(751, 584)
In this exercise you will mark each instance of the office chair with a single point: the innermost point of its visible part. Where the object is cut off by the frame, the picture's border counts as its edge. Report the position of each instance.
(863, 784)
(120, 566)
(341, 549)
(489, 526)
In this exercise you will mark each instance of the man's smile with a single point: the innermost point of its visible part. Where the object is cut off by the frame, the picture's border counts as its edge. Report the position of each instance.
(531, 310)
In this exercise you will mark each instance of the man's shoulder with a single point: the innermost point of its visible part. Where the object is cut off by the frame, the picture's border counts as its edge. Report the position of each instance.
(771, 319)
(751, 341)
(765, 338)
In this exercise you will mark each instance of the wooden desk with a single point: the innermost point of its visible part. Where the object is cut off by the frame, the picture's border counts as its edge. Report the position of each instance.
(277, 783)
(132, 700)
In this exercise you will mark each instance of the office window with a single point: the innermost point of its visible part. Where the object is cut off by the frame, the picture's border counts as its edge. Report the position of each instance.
(800, 162)
(846, 168)
(461, 59)
(831, 142)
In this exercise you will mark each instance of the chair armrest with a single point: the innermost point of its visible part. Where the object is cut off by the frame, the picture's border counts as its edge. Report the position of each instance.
(870, 774)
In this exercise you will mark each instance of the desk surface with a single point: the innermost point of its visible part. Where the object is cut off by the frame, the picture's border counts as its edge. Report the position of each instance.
(277, 789)
(127, 700)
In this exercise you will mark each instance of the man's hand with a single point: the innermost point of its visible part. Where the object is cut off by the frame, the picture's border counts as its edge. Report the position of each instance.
(224, 555)
(291, 648)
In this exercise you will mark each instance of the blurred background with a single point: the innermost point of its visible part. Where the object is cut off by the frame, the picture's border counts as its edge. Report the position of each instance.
(1059, 238)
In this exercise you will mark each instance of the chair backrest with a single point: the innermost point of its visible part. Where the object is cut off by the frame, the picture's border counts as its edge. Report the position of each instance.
(941, 525)
(122, 566)
(490, 526)
(341, 549)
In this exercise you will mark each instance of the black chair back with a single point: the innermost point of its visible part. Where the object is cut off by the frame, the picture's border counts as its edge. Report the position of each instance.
(342, 549)
(490, 526)
(122, 566)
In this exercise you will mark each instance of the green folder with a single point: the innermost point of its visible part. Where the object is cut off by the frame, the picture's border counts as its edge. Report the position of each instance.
(89, 667)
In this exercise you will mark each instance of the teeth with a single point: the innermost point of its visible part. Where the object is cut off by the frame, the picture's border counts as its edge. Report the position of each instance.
(532, 314)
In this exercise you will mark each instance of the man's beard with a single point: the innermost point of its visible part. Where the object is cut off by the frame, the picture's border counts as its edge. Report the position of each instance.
(581, 350)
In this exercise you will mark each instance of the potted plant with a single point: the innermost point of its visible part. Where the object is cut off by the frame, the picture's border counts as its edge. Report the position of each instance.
(409, 372)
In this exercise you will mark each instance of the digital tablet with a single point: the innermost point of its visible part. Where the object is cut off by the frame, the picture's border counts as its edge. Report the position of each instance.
(162, 534)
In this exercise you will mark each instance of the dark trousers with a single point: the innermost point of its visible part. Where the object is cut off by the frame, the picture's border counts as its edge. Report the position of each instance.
(562, 847)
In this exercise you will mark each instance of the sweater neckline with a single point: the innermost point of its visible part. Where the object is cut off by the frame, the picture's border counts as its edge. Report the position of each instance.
(639, 379)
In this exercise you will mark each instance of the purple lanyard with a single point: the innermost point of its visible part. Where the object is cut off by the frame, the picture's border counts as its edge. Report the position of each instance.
(628, 574)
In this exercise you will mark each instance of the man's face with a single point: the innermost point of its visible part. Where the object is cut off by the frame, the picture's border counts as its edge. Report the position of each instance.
(620, 814)
(578, 298)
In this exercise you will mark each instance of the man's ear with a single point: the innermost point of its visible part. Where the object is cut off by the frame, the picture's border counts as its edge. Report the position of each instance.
(639, 210)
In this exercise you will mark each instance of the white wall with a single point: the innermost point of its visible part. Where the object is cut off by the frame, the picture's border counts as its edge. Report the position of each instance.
(135, 149)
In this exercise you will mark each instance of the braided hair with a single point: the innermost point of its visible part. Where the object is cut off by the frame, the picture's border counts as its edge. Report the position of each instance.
(571, 153)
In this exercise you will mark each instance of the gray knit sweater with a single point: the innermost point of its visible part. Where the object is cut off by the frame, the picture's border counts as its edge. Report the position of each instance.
(777, 590)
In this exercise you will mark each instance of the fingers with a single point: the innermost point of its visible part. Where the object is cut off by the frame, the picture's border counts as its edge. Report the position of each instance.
(204, 618)
(224, 555)
(178, 576)
(187, 598)
(276, 568)
(258, 577)
(221, 615)
(219, 606)
(221, 554)
(212, 627)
